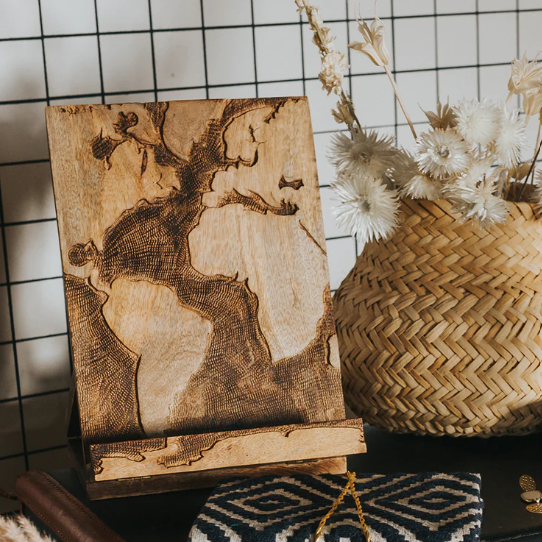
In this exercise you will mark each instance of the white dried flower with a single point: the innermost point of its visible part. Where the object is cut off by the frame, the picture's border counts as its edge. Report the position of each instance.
(511, 139)
(301, 5)
(324, 40)
(343, 114)
(313, 13)
(532, 101)
(315, 18)
(334, 65)
(478, 203)
(501, 177)
(478, 122)
(322, 37)
(525, 75)
(441, 153)
(366, 153)
(422, 187)
(367, 209)
(374, 43)
(412, 182)
(479, 169)
(20, 529)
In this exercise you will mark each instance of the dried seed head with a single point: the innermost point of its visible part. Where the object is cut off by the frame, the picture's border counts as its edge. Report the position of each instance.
(343, 113)
(525, 75)
(374, 43)
(443, 118)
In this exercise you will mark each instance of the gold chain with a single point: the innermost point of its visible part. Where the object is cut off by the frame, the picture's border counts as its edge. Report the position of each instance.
(350, 485)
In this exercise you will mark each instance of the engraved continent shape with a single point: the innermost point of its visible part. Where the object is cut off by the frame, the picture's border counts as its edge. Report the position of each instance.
(237, 386)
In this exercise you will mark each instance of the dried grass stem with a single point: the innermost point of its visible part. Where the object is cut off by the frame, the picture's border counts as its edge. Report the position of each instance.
(398, 96)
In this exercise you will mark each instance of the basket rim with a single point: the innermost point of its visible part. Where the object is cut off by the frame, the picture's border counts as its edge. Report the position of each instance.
(448, 203)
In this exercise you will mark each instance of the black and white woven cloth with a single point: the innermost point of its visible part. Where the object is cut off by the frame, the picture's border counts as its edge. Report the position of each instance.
(427, 507)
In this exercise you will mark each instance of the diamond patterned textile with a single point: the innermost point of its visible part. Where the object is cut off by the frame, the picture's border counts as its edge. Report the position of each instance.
(426, 507)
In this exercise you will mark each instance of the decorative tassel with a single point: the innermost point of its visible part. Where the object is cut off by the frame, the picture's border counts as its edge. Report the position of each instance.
(350, 485)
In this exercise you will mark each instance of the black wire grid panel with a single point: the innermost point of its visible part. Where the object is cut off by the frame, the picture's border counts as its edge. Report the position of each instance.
(108, 51)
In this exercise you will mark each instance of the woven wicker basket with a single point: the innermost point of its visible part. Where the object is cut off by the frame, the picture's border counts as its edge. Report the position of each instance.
(440, 326)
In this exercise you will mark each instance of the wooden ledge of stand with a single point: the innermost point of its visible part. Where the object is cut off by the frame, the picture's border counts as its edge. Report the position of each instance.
(148, 485)
(226, 450)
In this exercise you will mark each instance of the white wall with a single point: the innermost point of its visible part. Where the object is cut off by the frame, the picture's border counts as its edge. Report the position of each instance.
(51, 53)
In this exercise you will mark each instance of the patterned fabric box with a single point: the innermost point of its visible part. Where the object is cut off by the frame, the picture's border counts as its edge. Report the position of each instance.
(427, 507)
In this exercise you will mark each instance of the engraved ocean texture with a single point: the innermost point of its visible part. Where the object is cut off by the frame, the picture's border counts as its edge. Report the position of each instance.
(198, 300)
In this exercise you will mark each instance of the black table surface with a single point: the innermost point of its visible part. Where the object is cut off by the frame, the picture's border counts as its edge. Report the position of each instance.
(500, 461)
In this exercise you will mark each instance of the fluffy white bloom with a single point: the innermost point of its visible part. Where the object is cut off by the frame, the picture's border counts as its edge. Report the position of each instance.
(482, 169)
(374, 43)
(334, 65)
(422, 187)
(479, 169)
(511, 139)
(367, 209)
(412, 182)
(478, 202)
(20, 529)
(367, 153)
(478, 122)
(525, 75)
(501, 178)
(441, 153)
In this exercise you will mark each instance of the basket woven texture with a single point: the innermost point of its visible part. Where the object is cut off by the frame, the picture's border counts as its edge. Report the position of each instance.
(439, 327)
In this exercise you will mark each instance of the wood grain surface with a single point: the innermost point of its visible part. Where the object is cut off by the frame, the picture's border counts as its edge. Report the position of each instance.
(126, 487)
(195, 268)
(192, 453)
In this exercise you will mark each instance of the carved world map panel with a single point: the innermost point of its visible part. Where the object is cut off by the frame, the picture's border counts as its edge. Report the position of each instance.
(195, 267)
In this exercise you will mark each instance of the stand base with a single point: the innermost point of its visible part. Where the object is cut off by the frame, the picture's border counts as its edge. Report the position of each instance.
(177, 482)
(158, 465)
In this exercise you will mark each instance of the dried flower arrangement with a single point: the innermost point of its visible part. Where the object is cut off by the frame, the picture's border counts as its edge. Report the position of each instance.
(471, 155)
(20, 529)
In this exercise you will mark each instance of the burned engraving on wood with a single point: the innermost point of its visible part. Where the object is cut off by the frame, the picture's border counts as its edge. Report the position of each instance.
(132, 451)
(238, 385)
(296, 184)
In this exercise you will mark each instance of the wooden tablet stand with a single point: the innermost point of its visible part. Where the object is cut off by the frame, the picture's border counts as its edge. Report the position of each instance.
(198, 294)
